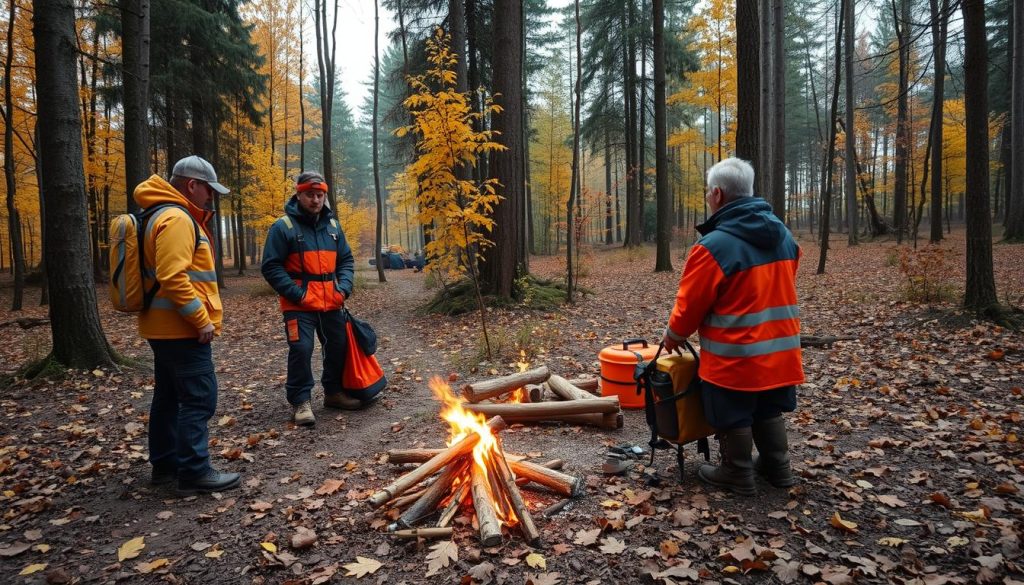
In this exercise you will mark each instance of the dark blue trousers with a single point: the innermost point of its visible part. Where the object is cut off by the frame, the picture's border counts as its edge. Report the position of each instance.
(735, 409)
(184, 400)
(329, 328)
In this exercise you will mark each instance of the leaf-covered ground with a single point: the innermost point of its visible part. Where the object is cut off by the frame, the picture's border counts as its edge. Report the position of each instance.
(906, 438)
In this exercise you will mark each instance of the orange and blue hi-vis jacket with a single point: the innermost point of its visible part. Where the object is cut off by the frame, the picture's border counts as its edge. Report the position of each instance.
(187, 299)
(738, 291)
(308, 261)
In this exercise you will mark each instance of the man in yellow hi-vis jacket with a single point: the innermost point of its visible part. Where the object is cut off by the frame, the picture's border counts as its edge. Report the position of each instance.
(180, 323)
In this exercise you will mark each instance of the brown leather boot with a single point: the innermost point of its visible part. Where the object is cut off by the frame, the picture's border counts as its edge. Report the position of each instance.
(736, 473)
(773, 452)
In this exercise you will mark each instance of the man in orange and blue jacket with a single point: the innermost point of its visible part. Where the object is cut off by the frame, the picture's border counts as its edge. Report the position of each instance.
(308, 262)
(738, 291)
(180, 322)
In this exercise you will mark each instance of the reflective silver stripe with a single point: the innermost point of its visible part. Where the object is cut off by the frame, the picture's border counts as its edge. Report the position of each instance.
(751, 319)
(202, 275)
(162, 303)
(152, 220)
(673, 335)
(166, 304)
(194, 305)
(750, 349)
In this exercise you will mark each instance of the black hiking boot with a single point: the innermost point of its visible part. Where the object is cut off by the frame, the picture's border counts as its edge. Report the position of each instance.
(772, 461)
(736, 473)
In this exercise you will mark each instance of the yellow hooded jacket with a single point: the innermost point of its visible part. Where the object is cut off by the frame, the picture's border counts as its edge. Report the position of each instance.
(187, 299)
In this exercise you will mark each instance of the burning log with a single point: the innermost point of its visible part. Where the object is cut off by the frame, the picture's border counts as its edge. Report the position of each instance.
(478, 391)
(433, 495)
(399, 456)
(402, 484)
(566, 390)
(486, 518)
(407, 499)
(453, 506)
(543, 410)
(424, 533)
(498, 466)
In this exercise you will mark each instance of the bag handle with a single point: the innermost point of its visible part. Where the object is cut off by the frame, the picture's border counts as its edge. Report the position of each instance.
(633, 341)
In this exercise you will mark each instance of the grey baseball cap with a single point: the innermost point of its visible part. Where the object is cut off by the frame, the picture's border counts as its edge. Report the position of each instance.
(195, 167)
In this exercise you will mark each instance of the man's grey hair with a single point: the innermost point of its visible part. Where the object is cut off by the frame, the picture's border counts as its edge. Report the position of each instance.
(734, 176)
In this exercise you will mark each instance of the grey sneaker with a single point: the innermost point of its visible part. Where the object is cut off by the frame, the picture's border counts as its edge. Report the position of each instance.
(304, 415)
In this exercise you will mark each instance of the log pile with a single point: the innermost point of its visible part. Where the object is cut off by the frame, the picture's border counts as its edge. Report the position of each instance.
(571, 402)
(451, 476)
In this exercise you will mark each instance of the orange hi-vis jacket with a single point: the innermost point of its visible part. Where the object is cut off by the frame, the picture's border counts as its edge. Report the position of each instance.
(187, 299)
(738, 291)
(308, 261)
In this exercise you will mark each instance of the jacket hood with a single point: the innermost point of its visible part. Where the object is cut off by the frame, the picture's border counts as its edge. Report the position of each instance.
(751, 219)
(292, 208)
(156, 190)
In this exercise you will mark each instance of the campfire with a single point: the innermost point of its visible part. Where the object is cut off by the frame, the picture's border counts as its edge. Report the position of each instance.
(473, 467)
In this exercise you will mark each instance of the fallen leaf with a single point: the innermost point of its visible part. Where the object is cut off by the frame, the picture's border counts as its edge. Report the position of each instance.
(165, 515)
(131, 549)
(330, 486)
(838, 522)
(33, 569)
(15, 549)
(907, 522)
(612, 546)
(536, 561)
(587, 537)
(892, 501)
(362, 567)
(668, 548)
(269, 547)
(151, 565)
(544, 579)
(482, 573)
(31, 535)
(891, 541)
(43, 548)
(260, 506)
(303, 538)
(440, 556)
(200, 546)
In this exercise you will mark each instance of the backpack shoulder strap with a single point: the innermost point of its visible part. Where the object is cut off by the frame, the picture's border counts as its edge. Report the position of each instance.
(149, 212)
(334, 223)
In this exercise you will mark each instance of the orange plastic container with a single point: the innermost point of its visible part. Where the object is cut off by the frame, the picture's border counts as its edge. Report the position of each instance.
(618, 362)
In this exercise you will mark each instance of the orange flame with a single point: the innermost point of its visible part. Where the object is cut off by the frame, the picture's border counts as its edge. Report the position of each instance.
(461, 423)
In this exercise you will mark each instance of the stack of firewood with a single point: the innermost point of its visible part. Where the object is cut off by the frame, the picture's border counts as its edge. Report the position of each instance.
(573, 403)
(448, 477)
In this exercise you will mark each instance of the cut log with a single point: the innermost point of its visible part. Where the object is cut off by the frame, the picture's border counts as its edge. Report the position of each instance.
(398, 456)
(402, 484)
(461, 493)
(485, 389)
(540, 410)
(486, 518)
(587, 383)
(555, 508)
(407, 499)
(497, 465)
(536, 392)
(557, 481)
(432, 496)
(565, 390)
(608, 420)
(424, 533)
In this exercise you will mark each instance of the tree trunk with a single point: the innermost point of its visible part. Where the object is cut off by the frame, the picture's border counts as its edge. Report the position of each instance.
(940, 21)
(1015, 199)
(764, 183)
(851, 134)
(826, 167)
(748, 84)
(641, 166)
(778, 112)
(980, 294)
(376, 162)
(569, 219)
(663, 261)
(326, 45)
(78, 339)
(13, 217)
(899, 197)
(499, 269)
(629, 97)
(135, 73)
(608, 218)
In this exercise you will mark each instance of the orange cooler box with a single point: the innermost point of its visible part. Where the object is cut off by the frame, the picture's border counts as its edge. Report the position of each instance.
(618, 362)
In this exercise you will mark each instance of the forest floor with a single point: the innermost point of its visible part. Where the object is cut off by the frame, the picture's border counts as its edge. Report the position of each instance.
(906, 438)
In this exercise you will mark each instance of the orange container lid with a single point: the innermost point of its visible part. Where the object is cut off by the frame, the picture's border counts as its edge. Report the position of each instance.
(625, 352)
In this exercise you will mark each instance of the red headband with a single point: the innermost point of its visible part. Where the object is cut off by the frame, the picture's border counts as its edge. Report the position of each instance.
(310, 186)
